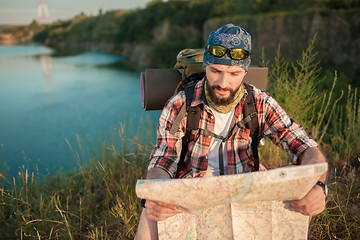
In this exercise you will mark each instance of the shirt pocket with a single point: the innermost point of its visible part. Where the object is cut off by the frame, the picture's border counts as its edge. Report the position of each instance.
(242, 139)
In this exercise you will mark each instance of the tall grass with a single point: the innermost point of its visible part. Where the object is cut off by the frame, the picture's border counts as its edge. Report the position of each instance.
(341, 219)
(98, 200)
(335, 126)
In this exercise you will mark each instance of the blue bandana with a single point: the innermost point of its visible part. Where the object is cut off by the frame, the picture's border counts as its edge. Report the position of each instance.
(229, 36)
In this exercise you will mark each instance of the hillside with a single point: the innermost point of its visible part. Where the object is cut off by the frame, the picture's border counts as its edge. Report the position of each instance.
(153, 36)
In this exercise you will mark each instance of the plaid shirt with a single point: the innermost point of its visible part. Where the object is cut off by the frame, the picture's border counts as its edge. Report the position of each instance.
(274, 123)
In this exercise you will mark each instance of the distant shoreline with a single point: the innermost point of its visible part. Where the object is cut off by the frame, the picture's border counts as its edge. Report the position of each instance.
(2, 26)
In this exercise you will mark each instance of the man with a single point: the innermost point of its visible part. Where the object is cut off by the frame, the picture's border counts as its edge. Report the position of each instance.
(222, 94)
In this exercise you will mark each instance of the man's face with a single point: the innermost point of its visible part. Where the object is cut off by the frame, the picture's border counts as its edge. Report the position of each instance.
(223, 82)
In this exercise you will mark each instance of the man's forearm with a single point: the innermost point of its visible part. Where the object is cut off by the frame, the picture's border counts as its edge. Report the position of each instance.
(157, 173)
(313, 155)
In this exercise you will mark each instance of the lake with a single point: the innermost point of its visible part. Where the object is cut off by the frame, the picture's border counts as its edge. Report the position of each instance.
(47, 103)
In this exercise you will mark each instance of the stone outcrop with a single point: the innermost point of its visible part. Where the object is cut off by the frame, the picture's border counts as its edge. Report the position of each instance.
(15, 38)
(337, 37)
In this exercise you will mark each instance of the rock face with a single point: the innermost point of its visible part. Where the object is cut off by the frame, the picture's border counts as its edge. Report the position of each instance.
(15, 38)
(137, 54)
(337, 36)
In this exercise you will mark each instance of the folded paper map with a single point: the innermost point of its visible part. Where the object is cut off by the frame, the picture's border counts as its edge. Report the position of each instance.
(242, 206)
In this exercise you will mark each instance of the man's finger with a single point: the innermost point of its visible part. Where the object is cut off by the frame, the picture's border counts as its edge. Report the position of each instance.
(312, 211)
(161, 206)
(153, 215)
(159, 211)
(317, 211)
(167, 205)
(164, 209)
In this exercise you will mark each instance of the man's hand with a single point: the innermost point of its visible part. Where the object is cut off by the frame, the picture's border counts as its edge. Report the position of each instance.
(154, 211)
(159, 211)
(312, 204)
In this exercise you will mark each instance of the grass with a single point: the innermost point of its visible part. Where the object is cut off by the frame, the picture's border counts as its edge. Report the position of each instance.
(341, 218)
(335, 127)
(98, 200)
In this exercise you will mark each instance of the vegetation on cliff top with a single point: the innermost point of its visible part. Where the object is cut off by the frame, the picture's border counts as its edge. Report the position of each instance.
(166, 26)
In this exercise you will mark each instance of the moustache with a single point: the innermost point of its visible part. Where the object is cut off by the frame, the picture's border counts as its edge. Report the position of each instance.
(220, 88)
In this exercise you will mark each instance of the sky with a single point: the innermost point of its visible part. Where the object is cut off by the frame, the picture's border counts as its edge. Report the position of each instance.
(22, 12)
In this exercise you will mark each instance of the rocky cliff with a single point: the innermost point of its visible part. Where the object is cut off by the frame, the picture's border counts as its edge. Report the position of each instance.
(337, 35)
(16, 38)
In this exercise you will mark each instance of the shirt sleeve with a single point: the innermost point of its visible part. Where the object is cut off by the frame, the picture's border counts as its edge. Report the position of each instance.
(281, 129)
(166, 153)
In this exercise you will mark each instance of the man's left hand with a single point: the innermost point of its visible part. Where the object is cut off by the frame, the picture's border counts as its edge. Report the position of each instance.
(312, 204)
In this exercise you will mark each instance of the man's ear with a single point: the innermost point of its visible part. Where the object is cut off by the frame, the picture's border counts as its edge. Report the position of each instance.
(246, 72)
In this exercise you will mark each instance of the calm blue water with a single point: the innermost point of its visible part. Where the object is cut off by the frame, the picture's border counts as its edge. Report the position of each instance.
(45, 101)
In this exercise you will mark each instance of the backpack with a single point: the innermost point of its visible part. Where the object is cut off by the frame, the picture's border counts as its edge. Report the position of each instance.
(189, 62)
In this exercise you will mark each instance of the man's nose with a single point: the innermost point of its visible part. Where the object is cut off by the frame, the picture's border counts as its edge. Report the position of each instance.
(223, 80)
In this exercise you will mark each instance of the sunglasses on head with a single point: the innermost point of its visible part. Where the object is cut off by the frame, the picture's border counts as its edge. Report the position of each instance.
(220, 51)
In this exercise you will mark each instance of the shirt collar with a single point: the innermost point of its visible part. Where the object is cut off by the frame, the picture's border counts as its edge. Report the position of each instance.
(199, 95)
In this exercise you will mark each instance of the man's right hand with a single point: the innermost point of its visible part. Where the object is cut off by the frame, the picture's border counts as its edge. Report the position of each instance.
(159, 211)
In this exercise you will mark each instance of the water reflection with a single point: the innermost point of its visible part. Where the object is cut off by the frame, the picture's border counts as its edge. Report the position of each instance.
(22, 51)
(46, 64)
(45, 100)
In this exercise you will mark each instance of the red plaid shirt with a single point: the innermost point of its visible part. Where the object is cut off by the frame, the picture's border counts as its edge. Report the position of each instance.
(274, 123)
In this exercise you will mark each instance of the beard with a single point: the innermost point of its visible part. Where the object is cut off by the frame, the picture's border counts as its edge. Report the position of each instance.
(220, 101)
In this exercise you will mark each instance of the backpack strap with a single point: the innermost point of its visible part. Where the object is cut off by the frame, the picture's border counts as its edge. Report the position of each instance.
(193, 117)
(193, 112)
(249, 109)
(192, 122)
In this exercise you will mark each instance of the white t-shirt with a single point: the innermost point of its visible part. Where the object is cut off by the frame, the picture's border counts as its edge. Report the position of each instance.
(222, 126)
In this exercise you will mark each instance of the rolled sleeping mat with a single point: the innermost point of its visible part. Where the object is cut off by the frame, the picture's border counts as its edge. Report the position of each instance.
(158, 85)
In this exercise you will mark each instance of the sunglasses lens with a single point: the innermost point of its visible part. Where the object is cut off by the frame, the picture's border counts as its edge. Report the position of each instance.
(238, 54)
(217, 51)
(235, 53)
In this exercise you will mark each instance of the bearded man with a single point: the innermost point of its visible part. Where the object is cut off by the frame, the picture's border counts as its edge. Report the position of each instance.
(221, 96)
